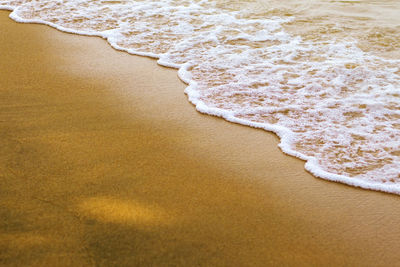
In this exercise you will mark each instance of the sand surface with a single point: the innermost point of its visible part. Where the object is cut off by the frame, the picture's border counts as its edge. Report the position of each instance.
(104, 162)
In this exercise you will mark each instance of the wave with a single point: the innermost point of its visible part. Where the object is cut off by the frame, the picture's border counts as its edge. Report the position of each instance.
(332, 103)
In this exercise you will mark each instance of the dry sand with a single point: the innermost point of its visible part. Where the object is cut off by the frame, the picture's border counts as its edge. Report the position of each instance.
(104, 162)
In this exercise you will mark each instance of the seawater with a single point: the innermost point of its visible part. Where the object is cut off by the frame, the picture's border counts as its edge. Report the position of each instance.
(323, 75)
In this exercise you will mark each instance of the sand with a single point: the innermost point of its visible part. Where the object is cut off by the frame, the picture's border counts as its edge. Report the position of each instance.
(103, 161)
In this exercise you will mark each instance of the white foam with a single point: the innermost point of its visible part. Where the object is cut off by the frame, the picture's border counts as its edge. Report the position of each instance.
(332, 104)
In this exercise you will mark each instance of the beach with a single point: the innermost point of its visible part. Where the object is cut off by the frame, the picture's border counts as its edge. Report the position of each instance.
(104, 162)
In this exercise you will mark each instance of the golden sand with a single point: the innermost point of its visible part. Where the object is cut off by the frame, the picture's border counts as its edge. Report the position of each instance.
(104, 162)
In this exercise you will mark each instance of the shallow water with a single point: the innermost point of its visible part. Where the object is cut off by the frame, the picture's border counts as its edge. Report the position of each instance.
(323, 75)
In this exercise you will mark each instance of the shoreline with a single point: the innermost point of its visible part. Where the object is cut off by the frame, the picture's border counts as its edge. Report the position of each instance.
(285, 134)
(107, 163)
(311, 163)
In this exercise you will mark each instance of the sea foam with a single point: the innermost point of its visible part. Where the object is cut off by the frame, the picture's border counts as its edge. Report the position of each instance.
(333, 104)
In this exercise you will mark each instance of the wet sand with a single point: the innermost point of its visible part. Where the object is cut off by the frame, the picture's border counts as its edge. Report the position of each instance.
(104, 162)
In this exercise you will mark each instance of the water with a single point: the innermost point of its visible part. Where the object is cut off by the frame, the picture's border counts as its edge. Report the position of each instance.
(323, 75)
